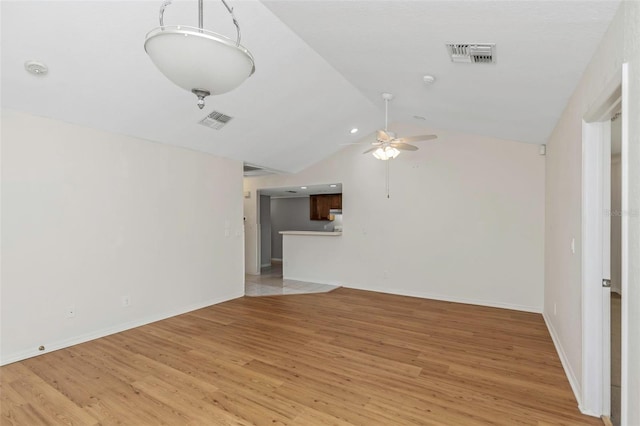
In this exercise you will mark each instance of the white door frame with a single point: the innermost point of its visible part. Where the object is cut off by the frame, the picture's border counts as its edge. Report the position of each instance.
(594, 321)
(624, 254)
(596, 355)
(258, 232)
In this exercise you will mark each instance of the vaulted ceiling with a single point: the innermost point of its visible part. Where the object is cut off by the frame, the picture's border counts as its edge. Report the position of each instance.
(320, 69)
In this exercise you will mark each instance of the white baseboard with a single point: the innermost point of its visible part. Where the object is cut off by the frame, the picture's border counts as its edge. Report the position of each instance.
(445, 298)
(573, 380)
(54, 346)
(492, 304)
(265, 265)
(276, 259)
(512, 306)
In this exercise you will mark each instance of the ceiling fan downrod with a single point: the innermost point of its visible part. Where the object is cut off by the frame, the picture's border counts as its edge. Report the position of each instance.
(387, 97)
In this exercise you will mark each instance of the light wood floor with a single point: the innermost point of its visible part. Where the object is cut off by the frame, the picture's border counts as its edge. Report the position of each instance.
(339, 358)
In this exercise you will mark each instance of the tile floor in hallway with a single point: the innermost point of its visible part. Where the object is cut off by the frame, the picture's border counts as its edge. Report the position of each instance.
(271, 283)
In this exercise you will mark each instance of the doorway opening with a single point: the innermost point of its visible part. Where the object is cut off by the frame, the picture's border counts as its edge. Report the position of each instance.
(294, 208)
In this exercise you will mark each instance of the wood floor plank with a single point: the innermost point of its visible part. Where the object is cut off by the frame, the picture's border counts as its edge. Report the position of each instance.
(132, 406)
(347, 357)
(309, 416)
(44, 402)
(195, 403)
(73, 376)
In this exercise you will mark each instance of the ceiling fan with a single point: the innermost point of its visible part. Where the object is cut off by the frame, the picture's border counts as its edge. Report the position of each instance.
(387, 145)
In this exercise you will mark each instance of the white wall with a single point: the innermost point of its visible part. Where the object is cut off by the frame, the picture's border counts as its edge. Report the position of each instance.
(313, 258)
(90, 216)
(465, 220)
(563, 204)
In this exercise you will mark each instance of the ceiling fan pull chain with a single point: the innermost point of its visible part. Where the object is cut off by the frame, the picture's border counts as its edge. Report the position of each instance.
(387, 176)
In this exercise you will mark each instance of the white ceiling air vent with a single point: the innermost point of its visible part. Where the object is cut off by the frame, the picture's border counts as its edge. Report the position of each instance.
(216, 120)
(479, 53)
(252, 170)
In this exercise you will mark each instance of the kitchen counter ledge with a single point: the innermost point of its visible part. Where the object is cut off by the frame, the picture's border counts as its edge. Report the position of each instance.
(313, 233)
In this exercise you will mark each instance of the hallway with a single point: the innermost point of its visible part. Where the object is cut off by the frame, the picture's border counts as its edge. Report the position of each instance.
(271, 283)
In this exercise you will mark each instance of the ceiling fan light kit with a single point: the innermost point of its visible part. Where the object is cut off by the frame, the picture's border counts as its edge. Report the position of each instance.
(387, 146)
(198, 60)
(386, 153)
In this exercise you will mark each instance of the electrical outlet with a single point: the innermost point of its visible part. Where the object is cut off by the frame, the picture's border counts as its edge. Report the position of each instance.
(385, 274)
(71, 311)
(126, 301)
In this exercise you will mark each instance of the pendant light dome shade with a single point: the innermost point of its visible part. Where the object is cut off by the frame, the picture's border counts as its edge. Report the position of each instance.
(200, 61)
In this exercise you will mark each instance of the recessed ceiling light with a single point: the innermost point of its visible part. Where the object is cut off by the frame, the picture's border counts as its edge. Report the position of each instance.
(36, 68)
(428, 79)
(419, 117)
(354, 130)
(303, 187)
(333, 186)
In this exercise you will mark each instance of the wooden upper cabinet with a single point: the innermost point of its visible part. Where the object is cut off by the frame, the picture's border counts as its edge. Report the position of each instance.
(319, 205)
(335, 201)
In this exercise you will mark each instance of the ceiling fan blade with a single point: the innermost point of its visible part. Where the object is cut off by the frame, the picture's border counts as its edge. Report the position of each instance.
(417, 138)
(383, 136)
(374, 143)
(370, 150)
(403, 146)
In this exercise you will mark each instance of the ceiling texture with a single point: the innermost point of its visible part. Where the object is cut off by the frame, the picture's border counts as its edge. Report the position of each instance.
(320, 69)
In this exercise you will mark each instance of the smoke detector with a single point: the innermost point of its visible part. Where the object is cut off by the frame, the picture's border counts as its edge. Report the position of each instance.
(36, 68)
(476, 53)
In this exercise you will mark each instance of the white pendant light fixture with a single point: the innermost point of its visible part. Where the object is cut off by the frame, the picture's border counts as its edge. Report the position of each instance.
(200, 61)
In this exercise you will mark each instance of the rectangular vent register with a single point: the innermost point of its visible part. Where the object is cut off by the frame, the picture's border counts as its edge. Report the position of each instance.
(216, 120)
(475, 53)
